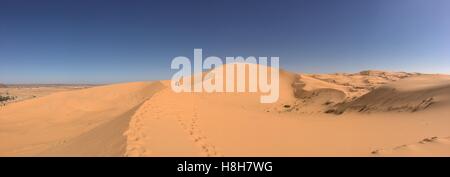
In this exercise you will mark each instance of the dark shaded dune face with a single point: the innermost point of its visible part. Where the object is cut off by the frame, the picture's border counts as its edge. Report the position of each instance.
(327, 95)
(107, 139)
(314, 96)
(320, 95)
(310, 91)
(391, 99)
(378, 96)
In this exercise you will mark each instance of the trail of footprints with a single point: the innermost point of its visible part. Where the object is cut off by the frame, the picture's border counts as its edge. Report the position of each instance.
(191, 127)
(137, 139)
(135, 143)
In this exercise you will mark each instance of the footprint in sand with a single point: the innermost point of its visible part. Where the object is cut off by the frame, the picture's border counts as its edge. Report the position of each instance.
(135, 136)
(198, 138)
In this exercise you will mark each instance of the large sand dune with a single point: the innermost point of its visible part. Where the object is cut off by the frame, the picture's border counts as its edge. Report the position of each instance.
(316, 115)
(407, 95)
(82, 122)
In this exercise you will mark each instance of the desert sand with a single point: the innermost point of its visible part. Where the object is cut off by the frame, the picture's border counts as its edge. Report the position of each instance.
(370, 113)
(20, 92)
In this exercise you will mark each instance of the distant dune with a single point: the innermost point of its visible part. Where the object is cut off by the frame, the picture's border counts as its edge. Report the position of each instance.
(371, 113)
(21, 92)
(407, 95)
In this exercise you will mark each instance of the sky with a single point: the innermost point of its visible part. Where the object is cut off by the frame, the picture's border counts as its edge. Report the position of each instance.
(108, 41)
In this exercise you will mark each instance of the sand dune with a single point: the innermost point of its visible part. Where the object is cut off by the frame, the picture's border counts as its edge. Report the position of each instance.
(68, 123)
(237, 125)
(407, 95)
(314, 95)
(149, 119)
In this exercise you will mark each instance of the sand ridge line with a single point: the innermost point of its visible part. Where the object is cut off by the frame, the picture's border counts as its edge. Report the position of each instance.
(106, 138)
(134, 135)
(173, 126)
(143, 122)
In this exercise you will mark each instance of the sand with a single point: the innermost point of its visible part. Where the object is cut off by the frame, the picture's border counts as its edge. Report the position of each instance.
(84, 122)
(23, 92)
(371, 113)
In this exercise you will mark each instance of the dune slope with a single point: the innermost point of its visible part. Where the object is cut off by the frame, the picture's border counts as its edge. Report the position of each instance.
(407, 95)
(236, 124)
(81, 122)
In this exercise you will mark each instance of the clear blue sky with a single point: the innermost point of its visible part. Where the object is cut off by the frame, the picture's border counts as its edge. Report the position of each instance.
(102, 41)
